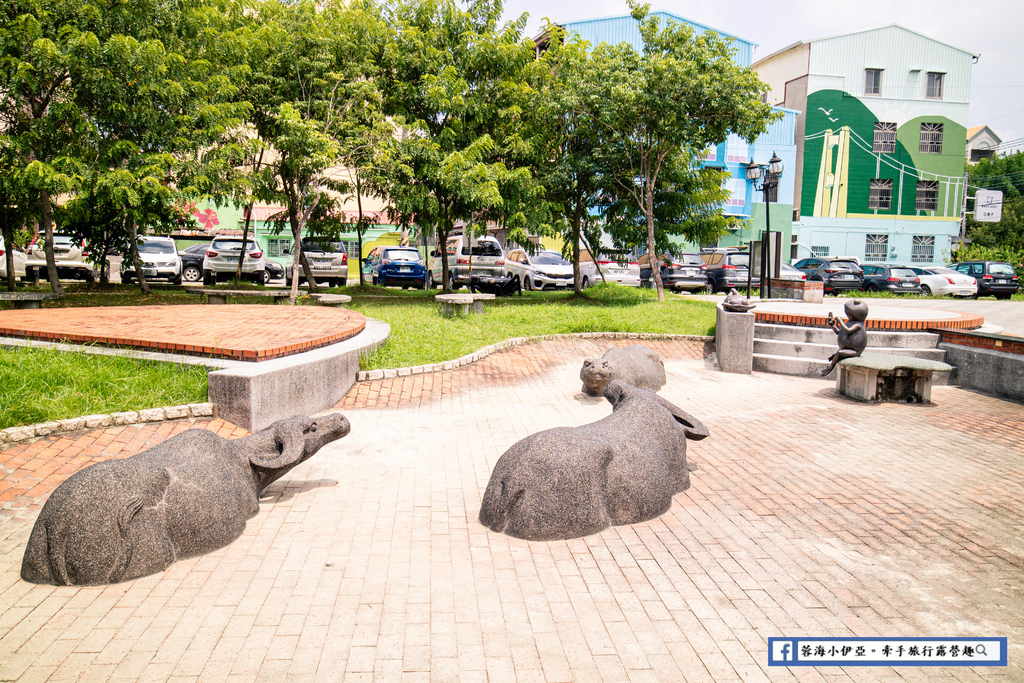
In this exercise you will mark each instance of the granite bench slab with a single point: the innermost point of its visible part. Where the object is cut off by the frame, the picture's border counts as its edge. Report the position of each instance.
(24, 300)
(462, 304)
(876, 378)
(220, 296)
(339, 300)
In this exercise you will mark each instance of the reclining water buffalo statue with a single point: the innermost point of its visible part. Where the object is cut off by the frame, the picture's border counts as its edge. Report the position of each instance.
(190, 495)
(569, 482)
(635, 364)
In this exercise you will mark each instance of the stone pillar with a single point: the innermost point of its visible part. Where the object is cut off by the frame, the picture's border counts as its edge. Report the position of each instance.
(734, 341)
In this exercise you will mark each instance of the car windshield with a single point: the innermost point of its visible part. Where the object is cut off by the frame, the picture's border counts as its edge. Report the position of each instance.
(845, 265)
(1000, 269)
(229, 245)
(549, 258)
(691, 260)
(739, 260)
(402, 254)
(197, 248)
(148, 247)
(902, 272)
(321, 245)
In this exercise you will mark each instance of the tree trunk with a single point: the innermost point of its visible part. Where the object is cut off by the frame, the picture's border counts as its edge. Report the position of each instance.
(51, 262)
(299, 221)
(245, 228)
(444, 227)
(8, 233)
(653, 258)
(133, 246)
(359, 231)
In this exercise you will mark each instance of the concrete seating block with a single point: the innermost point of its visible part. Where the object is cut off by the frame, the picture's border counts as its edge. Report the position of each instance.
(876, 378)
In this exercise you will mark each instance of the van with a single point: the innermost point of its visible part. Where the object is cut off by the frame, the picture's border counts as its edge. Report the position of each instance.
(486, 254)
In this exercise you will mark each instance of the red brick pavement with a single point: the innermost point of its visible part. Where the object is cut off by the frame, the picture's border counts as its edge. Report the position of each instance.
(238, 331)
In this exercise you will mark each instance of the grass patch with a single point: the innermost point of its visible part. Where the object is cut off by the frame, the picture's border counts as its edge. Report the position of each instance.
(419, 334)
(40, 385)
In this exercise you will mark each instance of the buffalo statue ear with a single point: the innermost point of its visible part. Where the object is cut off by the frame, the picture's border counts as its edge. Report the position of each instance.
(288, 438)
(692, 427)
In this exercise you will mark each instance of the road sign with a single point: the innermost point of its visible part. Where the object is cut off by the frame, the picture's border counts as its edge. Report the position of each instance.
(988, 206)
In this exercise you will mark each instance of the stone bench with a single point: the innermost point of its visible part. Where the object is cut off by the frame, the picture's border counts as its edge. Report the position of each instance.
(220, 296)
(29, 299)
(462, 304)
(877, 378)
(337, 300)
(807, 291)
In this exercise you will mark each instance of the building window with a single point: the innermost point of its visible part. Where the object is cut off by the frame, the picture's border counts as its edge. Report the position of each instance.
(923, 249)
(820, 251)
(278, 246)
(927, 195)
(880, 194)
(934, 91)
(876, 248)
(931, 138)
(885, 137)
(872, 81)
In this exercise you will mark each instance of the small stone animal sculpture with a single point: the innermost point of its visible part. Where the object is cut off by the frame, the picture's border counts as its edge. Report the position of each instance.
(190, 495)
(636, 365)
(735, 303)
(853, 338)
(569, 482)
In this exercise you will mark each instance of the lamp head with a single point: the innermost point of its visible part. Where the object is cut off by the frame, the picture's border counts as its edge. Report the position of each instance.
(754, 171)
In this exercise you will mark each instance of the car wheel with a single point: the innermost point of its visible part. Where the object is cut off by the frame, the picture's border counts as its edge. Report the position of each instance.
(527, 285)
(176, 281)
(871, 288)
(373, 279)
(585, 283)
(926, 290)
(430, 280)
(209, 280)
(342, 281)
(90, 277)
(126, 279)
(191, 274)
(266, 276)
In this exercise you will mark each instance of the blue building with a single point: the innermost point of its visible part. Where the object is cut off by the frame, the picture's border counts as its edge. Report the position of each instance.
(734, 153)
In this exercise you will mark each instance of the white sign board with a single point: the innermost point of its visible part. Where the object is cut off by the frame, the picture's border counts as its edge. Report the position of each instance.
(988, 206)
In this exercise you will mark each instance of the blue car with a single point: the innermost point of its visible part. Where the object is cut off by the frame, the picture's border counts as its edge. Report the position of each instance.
(399, 266)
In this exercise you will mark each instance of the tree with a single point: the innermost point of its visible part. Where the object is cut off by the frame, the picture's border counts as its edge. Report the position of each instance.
(1005, 174)
(16, 204)
(682, 94)
(453, 85)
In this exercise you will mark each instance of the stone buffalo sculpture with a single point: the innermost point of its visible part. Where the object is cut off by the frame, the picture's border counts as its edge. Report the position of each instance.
(636, 365)
(569, 482)
(122, 519)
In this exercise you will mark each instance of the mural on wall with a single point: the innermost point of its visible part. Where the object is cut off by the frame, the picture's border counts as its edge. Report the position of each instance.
(845, 176)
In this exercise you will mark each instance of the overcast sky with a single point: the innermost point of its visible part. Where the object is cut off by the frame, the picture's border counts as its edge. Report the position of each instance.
(989, 28)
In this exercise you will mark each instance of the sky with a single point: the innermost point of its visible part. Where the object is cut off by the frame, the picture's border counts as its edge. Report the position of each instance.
(989, 28)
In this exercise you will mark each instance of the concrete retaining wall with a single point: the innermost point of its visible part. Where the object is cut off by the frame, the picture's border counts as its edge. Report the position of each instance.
(989, 363)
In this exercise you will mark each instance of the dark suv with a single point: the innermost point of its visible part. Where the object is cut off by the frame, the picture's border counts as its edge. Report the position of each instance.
(835, 274)
(883, 277)
(728, 269)
(684, 272)
(995, 278)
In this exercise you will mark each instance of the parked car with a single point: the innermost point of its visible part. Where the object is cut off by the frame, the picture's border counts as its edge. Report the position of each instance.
(686, 272)
(159, 259)
(221, 261)
(192, 262)
(19, 262)
(543, 270)
(945, 282)
(620, 271)
(399, 266)
(788, 272)
(272, 271)
(728, 269)
(486, 254)
(836, 275)
(69, 253)
(995, 278)
(328, 261)
(888, 277)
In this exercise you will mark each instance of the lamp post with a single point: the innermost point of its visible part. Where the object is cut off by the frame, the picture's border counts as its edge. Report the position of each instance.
(770, 182)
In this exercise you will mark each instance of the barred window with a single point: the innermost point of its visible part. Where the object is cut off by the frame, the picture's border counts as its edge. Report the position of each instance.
(880, 194)
(885, 137)
(872, 81)
(819, 251)
(931, 138)
(876, 248)
(934, 91)
(927, 195)
(923, 249)
(278, 246)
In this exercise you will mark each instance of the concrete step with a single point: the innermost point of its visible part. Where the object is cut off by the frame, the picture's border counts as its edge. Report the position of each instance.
(806, 366)
(792, 349)
(820, 335)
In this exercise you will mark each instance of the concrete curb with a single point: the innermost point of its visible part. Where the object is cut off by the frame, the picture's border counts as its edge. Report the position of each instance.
(13, 435)
(370, 375)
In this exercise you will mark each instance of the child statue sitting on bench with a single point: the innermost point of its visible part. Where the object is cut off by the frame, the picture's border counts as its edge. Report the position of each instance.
(853, 337)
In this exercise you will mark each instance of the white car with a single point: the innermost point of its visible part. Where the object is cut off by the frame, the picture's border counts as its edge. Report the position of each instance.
(486, 255)
(788, 272)
(327, 259)
(543, 270)
(623, 272)
(19, 261)
(69, 254)
(945, 282)
(159, 258)
(221, 261)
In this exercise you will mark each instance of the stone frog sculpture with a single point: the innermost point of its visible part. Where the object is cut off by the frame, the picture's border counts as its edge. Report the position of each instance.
(635, 364)
(736, 303)
(853, 337)
(569, 482)
(122, 519)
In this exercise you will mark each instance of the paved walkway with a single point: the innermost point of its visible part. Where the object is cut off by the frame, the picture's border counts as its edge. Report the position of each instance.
(249, 332)
(809, 515)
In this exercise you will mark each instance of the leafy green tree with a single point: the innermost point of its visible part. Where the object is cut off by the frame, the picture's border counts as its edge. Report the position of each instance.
(1005, 174)
(453, 85)
(16, 205)
(681, 94)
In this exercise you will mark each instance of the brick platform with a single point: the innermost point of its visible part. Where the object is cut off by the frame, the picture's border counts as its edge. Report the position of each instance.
(884, 314)
(809, 515)
(240, 332)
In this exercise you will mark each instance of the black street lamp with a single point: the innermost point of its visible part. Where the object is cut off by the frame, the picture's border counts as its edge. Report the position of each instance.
(768, 186)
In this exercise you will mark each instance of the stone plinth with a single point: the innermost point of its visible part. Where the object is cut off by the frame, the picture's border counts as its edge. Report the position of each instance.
(801, 290)
(734, 341)
(878, 378)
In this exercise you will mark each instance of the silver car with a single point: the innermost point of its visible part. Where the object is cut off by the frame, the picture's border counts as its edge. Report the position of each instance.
(159, 258)
(221, 260)
(543, 270)
(69, 254)
(19, 261)
(327, 260)
(488, 260)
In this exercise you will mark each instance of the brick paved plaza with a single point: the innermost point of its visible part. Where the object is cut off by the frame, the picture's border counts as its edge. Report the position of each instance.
(810, 515)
